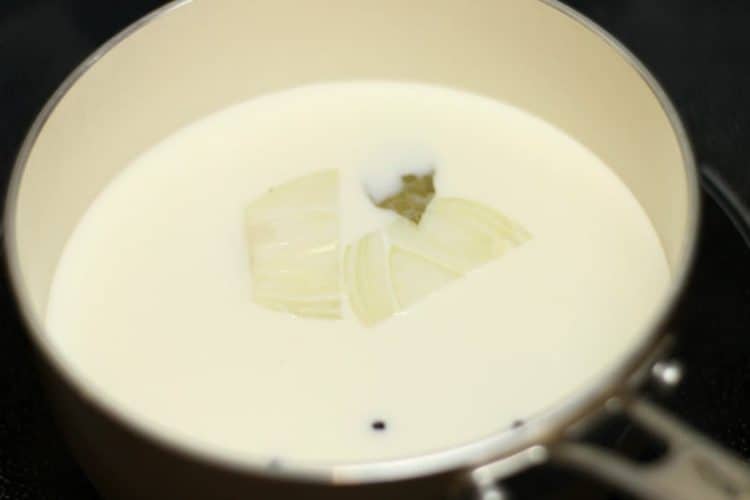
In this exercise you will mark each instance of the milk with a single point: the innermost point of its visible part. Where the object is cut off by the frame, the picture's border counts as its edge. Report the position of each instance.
(152, 300)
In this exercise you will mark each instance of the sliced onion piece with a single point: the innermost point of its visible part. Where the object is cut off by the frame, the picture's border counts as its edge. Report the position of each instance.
(367, 279)
(455, 236)
(317, 190)
(415, 277)
(414, 239)
(292, 233)
(472, 230)
(330, 309)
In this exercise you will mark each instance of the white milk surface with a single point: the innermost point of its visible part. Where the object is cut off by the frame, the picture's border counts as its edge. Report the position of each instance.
(152, 298)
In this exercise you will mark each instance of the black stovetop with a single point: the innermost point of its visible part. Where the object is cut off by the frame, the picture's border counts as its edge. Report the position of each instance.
(698, 49)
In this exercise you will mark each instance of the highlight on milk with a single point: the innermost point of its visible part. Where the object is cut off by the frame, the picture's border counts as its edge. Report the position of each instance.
(353, 272)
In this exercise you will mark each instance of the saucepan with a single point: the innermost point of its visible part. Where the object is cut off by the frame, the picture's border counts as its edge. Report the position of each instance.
(191, 58)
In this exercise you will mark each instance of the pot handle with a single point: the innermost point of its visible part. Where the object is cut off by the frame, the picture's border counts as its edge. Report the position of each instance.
(693, 467)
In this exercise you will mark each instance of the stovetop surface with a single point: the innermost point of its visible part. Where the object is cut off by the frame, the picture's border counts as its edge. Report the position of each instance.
(698, 49)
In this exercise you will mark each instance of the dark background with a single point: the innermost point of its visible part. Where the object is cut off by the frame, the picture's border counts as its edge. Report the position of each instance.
(698, 49)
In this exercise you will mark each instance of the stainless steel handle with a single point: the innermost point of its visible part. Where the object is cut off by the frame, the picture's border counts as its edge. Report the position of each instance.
(692, 468)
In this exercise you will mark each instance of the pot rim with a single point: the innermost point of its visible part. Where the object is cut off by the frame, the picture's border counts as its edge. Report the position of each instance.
(543, 428)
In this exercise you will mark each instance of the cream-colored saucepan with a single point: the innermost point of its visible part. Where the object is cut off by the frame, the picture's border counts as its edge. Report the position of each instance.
(191, 58)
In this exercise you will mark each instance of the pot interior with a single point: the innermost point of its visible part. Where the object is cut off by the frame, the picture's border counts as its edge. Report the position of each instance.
(206, 55)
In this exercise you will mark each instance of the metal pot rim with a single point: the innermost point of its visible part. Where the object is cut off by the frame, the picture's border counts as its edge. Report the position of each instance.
(545, 427)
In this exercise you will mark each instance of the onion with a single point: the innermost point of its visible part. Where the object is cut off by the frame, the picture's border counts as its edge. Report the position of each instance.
(367, 279)
(292, 234)
(454, 236)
